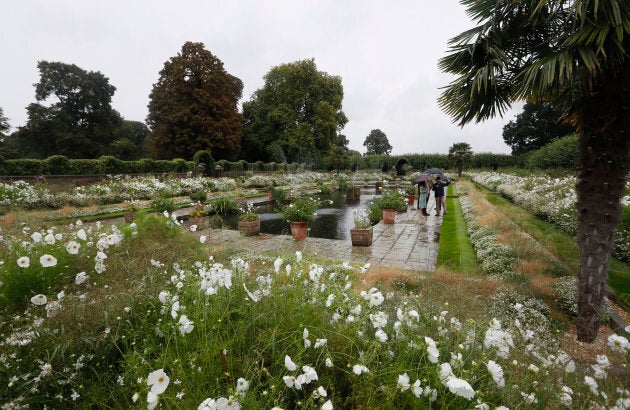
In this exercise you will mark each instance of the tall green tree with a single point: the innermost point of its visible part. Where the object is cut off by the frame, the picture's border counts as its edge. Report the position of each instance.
(4, 123)
(295, 116)
(377, 143)
(460, 153)
(78, 121)
(194, 106)
(575, 54)
(538, 125)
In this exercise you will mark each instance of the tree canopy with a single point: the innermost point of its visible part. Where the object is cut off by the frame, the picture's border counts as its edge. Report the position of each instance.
(377, 143)
(459, 153)
(295, 116)
(194, 106)
(4, 123)
(538, 125)
(79, 121)
(573, 53)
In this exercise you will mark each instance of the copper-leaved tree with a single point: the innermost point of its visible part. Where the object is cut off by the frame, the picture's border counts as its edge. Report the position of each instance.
(575, 54)
(194, 106)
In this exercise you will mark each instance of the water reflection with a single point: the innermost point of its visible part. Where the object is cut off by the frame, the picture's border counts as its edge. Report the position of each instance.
(332, 222)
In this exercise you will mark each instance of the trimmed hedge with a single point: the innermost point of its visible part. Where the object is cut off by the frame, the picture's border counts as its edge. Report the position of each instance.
(561, 153)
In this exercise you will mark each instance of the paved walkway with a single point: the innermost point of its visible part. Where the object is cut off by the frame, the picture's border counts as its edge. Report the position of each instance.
(410, 243)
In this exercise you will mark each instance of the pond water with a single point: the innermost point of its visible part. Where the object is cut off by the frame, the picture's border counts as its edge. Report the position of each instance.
(332, 222)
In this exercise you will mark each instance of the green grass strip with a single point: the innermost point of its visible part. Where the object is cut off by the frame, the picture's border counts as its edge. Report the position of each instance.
(455, 251)
(560, 243)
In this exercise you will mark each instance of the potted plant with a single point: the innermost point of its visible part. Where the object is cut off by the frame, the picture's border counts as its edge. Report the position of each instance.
(361, 234)
(249, 222)
(391, 201)
(130, 212)
(199, 218)
(163, 204)
(199, 198)
(411, 194)
(299, 213)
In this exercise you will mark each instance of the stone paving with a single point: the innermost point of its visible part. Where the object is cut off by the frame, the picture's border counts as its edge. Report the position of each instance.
(410, 243)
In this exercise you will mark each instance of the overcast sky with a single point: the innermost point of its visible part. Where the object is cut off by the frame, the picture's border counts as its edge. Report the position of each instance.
(385, 52)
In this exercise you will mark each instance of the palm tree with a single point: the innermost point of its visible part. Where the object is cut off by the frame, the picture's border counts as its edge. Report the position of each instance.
(574, 54)
(460, 152)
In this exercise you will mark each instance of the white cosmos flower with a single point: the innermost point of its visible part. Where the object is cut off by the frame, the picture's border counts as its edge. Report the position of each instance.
(193, 228)
(277, 264)
(432, 350)
(73, 247)
(327, 406)
(289, 364)
(242, 385)
(152, 400)
(39, 300)
(329, 362)
(298, 256)
(24, 262)
(292, 381)
(403, 382)
(101, 255)
(320, 342)
(185, 325)
(36, 237)
(416, 388)
(496, 372)
(158, 381)
(81, 234)
(381, 336)
(359, 369)
(49, 238)
(202, 239)
(47, 261)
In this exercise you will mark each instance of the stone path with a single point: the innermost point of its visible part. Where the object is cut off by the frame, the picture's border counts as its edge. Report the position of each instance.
(410, 243)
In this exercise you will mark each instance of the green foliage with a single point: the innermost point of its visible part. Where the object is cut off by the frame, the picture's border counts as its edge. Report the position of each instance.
(392, 199)
(460, 153)
(377, 143)
(561, 153)
(375, 211)
(225, 205)
(538, 125)
(300, 209)
(79, 123)
(198, 196)
(295, 116)
(163, 203)
(279, 195)
(195, 82)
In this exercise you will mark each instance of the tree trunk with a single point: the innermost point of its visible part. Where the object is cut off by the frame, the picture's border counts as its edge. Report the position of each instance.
(604, 144)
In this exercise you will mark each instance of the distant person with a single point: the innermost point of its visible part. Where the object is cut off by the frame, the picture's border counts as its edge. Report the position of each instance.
(423, 197)
(438, 188)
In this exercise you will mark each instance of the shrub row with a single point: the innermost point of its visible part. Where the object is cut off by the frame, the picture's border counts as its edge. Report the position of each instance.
(561, 153)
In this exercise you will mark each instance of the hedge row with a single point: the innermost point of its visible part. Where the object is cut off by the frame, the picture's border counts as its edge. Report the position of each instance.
(61, 165)
(561, 153)
(421, 161)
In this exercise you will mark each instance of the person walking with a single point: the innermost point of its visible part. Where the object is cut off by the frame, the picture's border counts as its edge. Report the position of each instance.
(438, 188)
(423, 197)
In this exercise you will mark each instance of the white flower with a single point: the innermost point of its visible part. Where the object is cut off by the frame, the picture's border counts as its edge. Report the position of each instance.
(202, 239)
(152, 400)
(185, 325)
(381, 336)
(36, 237)
(80, 278)
(298, 256)
(39, 300)
(292, 381)
(618, 343)
(320, 392)
(158, 381)
(81, 234)
(496, 372)
(416, 388)
(47, 261)
(329, 362)
(403, 382)
(327, 406)
(289, 364)
(358, 369)
(309, 374)
(320, 343)
(242, 385)
(73, 247)
(432, 350)
(592, 385)
(277, 264)
(24, 262)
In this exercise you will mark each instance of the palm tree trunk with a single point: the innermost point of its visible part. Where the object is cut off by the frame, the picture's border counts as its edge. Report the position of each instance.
(604, 152)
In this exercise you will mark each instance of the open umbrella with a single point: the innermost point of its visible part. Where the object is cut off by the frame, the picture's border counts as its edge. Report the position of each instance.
(421, 178)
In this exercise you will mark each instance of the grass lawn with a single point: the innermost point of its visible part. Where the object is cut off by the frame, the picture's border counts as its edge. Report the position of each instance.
(455, 250)
(560, 243)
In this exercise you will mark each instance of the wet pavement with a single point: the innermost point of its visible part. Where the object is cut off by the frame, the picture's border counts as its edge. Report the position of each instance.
(410, 243)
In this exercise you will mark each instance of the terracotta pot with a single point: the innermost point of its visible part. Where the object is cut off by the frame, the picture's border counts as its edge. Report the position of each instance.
(249, 228)
(299, 230)
(361, 236)
(389, 216)
(410, 199)
(357, 191)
